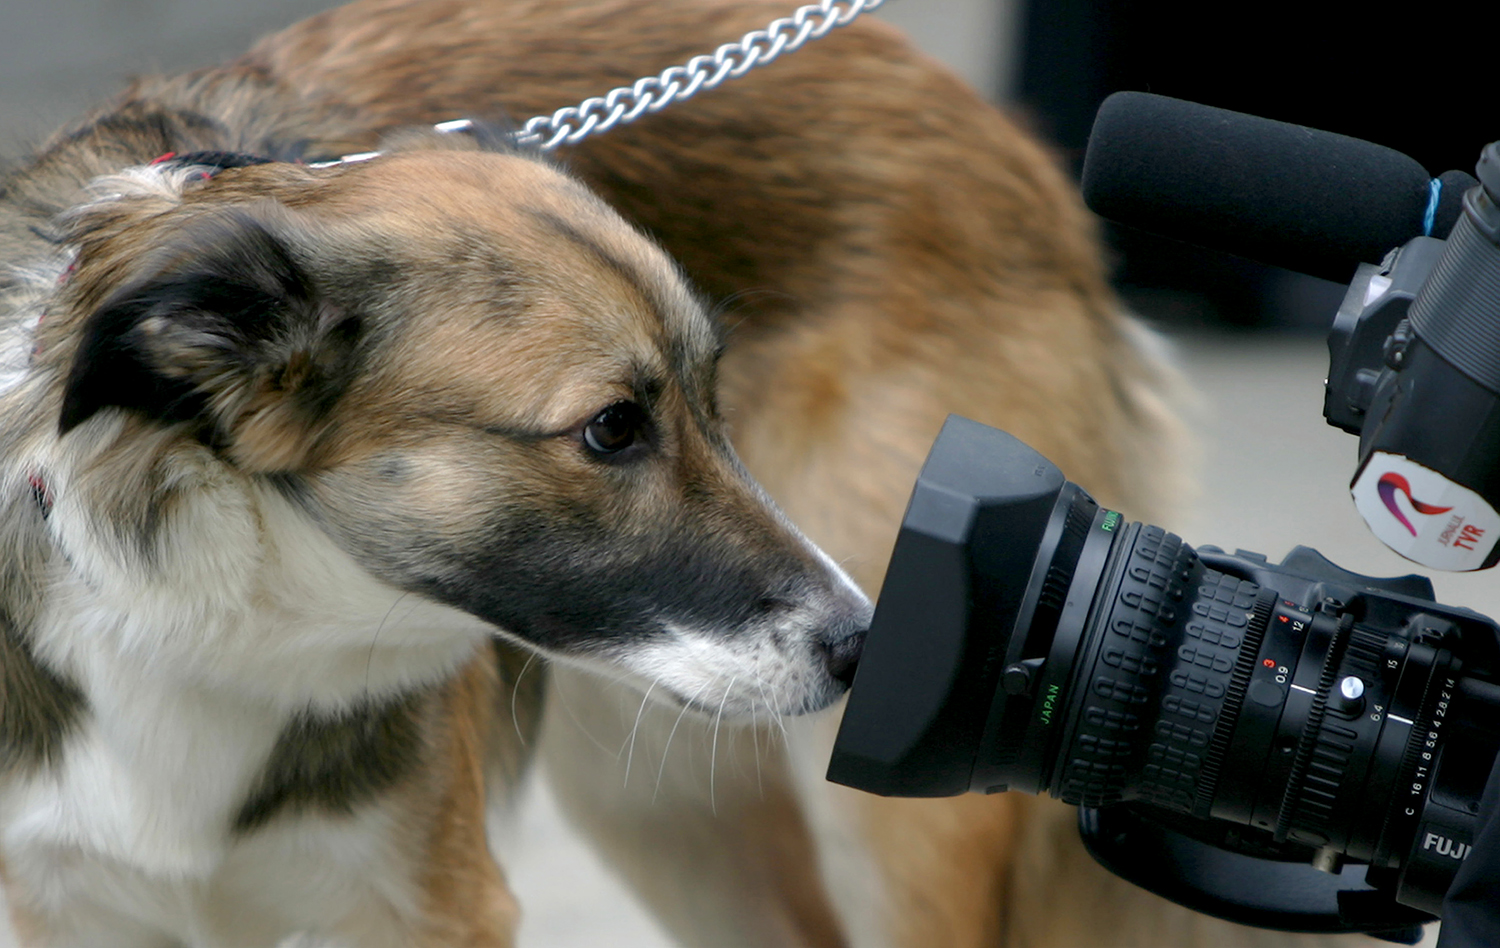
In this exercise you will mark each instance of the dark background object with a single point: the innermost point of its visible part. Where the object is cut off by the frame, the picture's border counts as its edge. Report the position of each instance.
(1400, 81)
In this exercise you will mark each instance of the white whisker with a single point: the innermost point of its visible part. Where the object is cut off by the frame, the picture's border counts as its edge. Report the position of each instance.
(574, 718)
(671, 734)
(515, 689)
(755, 739)
(370, 655)
(634, 728)
(713, 755)
(776, 715)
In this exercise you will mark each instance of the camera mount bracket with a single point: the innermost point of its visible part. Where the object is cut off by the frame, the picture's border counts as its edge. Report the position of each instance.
(1265, 893)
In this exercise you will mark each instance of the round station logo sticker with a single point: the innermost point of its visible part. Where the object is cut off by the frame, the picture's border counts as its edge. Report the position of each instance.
(1422, 515)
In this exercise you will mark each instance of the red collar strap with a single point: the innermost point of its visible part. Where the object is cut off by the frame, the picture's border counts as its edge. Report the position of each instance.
(212, 162)
(40, 493)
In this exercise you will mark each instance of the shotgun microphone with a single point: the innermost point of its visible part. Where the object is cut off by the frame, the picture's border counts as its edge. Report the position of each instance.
(1295, 197)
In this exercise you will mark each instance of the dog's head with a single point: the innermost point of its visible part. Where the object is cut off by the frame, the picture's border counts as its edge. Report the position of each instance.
(485, 387)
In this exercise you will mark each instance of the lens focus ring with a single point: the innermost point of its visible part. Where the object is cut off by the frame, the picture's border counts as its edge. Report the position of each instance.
(1150, 708)
(1124, 669)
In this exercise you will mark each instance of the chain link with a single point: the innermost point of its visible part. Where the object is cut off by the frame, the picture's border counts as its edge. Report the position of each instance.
(571, 125)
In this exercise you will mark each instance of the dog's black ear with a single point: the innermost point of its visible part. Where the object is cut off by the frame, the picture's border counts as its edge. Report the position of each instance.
(226, 332)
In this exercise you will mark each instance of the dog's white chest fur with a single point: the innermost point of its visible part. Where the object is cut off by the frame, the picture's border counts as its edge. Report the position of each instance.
(192, 666)
(152, 777)
(343, 882)
(137, 845)
(132, 830)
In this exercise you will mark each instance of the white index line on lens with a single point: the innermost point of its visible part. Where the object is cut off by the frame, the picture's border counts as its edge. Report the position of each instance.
(1398, 718)
(1308, 690)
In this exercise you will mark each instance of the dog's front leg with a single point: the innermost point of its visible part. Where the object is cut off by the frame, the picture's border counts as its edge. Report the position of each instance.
(466, 901)
(700, 820)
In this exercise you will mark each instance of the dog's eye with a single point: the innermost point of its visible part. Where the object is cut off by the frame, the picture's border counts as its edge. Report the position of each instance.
(615, 428)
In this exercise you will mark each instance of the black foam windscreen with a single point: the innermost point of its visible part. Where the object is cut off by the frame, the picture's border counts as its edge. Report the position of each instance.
(1295, 197)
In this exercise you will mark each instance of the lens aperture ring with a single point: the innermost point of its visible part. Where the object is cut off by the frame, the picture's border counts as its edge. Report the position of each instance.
(1234, 700)
(1309, 802)
(1195, 695)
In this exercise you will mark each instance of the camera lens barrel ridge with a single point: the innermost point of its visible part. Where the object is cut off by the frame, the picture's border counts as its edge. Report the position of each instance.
(1155, 679)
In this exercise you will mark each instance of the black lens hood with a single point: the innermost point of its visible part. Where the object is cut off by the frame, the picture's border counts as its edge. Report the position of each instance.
(942, 629)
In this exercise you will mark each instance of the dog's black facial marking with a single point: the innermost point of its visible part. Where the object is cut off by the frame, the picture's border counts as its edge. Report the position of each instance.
(110, 371)
(38, 709)
(333, 763)
(555, 580)
(229, 315)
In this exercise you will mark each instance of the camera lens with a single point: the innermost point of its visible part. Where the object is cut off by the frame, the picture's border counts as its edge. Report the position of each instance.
(1145, 680)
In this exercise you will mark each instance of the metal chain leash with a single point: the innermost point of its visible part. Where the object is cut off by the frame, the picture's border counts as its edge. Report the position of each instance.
(571, 125)
(621, 106)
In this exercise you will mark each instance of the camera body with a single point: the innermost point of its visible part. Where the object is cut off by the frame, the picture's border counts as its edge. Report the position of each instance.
(1414, 371)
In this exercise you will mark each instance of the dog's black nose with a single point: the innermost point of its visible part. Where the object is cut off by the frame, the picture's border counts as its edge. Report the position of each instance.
(843, 656)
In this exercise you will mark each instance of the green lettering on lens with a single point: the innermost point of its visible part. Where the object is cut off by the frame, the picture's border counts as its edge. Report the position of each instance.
(1111, 520)
(1049, 703)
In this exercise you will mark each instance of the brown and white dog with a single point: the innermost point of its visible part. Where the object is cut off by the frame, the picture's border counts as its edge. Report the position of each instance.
(283, 449)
